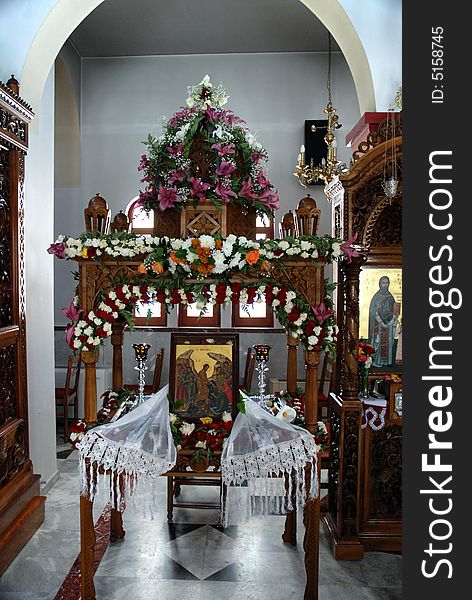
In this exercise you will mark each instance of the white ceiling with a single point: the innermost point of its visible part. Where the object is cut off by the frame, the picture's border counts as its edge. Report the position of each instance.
(153, 27)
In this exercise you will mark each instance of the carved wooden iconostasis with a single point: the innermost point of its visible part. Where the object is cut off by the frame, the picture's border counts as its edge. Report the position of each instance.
(365, 486)
(21, 506)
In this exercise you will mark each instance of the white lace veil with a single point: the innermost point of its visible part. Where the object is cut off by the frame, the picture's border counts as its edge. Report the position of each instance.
(263, 466)
(139, 446)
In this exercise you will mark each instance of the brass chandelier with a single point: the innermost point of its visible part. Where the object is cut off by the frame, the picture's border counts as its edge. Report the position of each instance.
(331, 166)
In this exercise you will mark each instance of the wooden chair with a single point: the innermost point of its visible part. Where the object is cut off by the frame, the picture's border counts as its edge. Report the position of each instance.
(156, 379)
(288, 226)
(67, 394)
(97, 215)
(249, 371)
(308, 216)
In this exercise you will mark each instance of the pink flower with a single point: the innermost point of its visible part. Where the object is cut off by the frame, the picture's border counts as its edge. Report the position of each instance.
(271, 201)
(223, 150)
(58, 249)
(246, 190)
(143, 163)
(321, 312)
(73, 313)
(212, 114)
(198, 188)
(256, 156)
(176, 151)
(231, 119)
(348, 250)
(176, 176)
(167, 197)
(149, 195)
(225, 169)
(224, 192)
(262, 179)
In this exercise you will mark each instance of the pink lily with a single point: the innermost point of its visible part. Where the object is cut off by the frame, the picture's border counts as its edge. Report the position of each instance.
(348, 250)
(246, 190)
(176, 176)
(198, 188)
(73, 313)
(224, 192)
(271, 201)
(321, 312)
(256, 156)
(225, 169)
(143, 163)
(58, 249)
(176, 151)
(213, 114)
(167, 197)
(223, 150)
(262, 179)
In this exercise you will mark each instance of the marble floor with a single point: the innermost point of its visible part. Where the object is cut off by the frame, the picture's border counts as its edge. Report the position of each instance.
(188, 558)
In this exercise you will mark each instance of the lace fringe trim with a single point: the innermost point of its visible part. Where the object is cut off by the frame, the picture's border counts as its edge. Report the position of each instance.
(287, 460)
(131, 468)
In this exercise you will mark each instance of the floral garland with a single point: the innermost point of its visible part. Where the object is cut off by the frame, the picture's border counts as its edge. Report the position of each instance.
(174, 260)
(238, 176)
(226, 254)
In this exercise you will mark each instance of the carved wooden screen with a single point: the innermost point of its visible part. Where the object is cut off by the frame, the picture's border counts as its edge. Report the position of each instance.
(21, 509)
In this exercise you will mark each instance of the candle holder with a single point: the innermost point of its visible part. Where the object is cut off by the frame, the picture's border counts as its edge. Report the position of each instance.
(140, 353)
(262, 358)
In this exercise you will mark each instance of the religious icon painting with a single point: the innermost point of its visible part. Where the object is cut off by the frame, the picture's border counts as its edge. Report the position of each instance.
(204, 375)
(380, 299)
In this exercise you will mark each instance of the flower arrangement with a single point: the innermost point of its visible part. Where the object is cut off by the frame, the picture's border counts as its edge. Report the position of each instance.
(77, 432)
(205, 436)
(364, 353)
(236, 172)
(112, 400)
(292, 410)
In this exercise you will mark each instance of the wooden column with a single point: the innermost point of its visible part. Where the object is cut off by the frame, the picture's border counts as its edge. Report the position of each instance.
(292, 346)
(87, 547)
(90, 389)
(342, 520)
(311, 540)
(312, 359)
(117, 330)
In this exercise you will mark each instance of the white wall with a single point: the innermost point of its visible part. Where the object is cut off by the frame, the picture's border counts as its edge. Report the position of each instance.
(123, 100)
(379, 26)
(39, 217)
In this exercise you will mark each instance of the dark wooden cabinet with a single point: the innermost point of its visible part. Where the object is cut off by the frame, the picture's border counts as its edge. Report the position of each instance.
(21, 505)
(365, 478)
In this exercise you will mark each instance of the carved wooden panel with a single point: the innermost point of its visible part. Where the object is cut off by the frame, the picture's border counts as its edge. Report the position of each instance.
(205, 218)
(333, 474)
(167, 222)
(387, 230)
(308, 281)
(350, 469)
(241, 221)
(385, 469)
(8, 385)
(6, 316)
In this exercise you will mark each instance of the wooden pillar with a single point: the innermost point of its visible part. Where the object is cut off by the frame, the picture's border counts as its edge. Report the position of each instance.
(312, 359)
(87, 547)
(292, 346)
(350, 330)
(341, 522)
(90, 389)
(311, 545)
(117, 330)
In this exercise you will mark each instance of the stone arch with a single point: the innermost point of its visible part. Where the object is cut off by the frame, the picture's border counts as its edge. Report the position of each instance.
(65, 17)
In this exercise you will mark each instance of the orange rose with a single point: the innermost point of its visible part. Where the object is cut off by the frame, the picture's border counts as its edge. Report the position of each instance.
(174, 258)
(142, 269)
(252, 257)
(195, 243)
(157, 267)
(218, 244)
